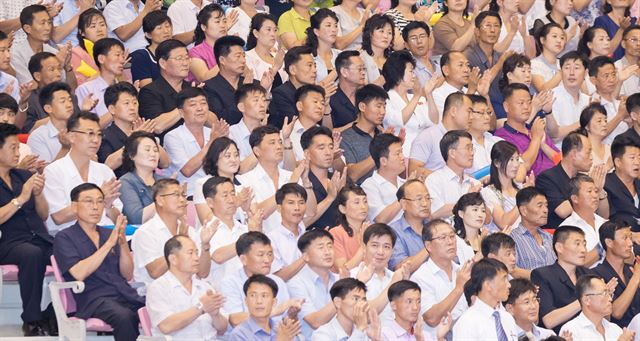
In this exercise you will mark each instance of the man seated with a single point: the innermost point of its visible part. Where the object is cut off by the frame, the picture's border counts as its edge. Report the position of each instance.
(313, 281)
(310, 104)
(146, 244)
(100, 258)
(442, 280)
(51, 140)
(181, 304)
(425, 149)
(447, 184)
(633, 108)
(569, 100)
(524, 305)
(256, 254)
(486, 318)
(386, 152)
(631, 85)
(554, 183)
(500, 246)
(594, 296)
(371, 105)
(251, 101)
(417, 36)
(584, 202)
(557, 282)
(124, 19)
(619, 184)
(457, 73)
(616, 240)
(77, 167)
(604, 76)
(260, 294)
(354, 319)
(534, 246)
(8, 83)
(351, 77)
(415, 203)
(292, 203)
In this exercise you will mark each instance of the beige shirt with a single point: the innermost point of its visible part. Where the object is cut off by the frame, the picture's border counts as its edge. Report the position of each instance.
(446, 32)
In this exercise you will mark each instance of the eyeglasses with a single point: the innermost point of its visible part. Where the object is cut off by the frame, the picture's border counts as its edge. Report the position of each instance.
(419, 199)
(91, 203)
(414, 39)
(445, 237)
(633, 40)
(603, 293)
(92, 134)
(177, 194)
(180, 58)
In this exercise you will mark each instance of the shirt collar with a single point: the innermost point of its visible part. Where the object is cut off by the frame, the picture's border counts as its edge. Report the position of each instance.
(435, 269)
(484, 308)
(398, 331)
(285, 231)
(451, 175)
(52, 130)
(362, 132)
(340, 333)
(255, 328)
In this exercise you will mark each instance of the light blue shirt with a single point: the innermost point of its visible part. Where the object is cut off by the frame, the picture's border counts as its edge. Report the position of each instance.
(121, 12)
(6, 80)
(97, 87)
(69, 10)
(408, 242)
(232, 289)
(251, 331)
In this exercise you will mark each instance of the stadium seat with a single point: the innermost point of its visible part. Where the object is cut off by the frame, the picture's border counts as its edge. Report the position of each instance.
(145, 321)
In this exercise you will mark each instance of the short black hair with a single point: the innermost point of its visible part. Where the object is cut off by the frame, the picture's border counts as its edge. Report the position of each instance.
(223, 45)
(400, 287)
(342, 60)
(450, 141)
(525, 195)
(35, 62)
(46, 94)
(378, 230)
(294, 55)
(216, 148)
(630, 29)
(261, 279)
(210, 187)
(308, 237)
(28, 13)
(596, 63)
(484, 270)
(307, 137)
(573, 141)
(173, 245)
(74, 120)
(574, 55)
(189, 93)
(84, 21)
(583, 285)
(576, 182)
(379, 146)
(394, 68)
(87, 186)
(103, 46)
(485, 14)
(246, 240)
(620, 145)
(344, 286)
(258, 134)
(608, 231)
(245, 89)
(587, 115)
(163, 51)
(400, 193)
(519, 286)
(455, 99)
(562, 233)
(3, 36)
(414, 25)
(512, 62)
(633, 103)
(475, 99)
(8, 102)
(161, 184)
(112, 94)
(302, 92)
(427, 229)
(154, 19)
(290, 188)
(7, 130)
(511, 88)
(368, 93)
(492, 243)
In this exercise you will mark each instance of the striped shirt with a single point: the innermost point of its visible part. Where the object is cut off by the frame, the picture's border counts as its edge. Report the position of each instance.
(530, 255)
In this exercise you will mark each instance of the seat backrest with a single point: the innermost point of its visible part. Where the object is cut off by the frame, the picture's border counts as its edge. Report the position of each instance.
(66, 296)
(192, 214)
(145, 321)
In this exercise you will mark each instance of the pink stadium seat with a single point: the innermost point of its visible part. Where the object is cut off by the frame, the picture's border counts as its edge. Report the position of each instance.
(10, 272)
(145, 321)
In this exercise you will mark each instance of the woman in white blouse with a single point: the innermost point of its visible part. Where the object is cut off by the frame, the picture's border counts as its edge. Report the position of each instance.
(514, 35)
(321, 37)
(245, 11)
(261, 45)
(414, 111)
(469, 215)
(377, 45)
(546, 66)
(593, 123)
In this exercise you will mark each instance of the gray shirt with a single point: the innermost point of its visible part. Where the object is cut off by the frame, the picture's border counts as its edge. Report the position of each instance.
(355, 144)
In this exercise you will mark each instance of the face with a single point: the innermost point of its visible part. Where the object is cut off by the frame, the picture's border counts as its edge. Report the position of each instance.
(563, 7)
(507, 256)
(356, 72)
(10, 152)
(536, 211)
(518, 106)
(499, 286)
(254, 106)
(443, 243)
(304, 70)
(320, 152)
(582, 158)
(480, 118)
(473, 216)
(356, 207)
(598, 125)
(216, 26)
(489, 30)
(260, 300)
(462, 116)
(126, 108)
(303, 3)
(631, 43)
(319, 253)
(311, 106)
(525, 308)
(573, 250)
(417, 201)
(587, 196)
(346, 305)
(5, 55)
(395, 160)
(629, 164)
(513, 165)
(606, 80)
(554, 41)
(51, 71)
(147, 155)
(257, 261)
(458, 70)
(96, 29)
(161, 33)
(41, 27)
(328, 31)
(462, 155)
(573, 72)
(195, 110)
(521, 74)
(418, 42)
(456, 5)
(408, 79)
(270, 149)
(597, 298)
(382, 37)
(7, 116)
(374, 111)
(267, 34)
(407, 306)
(292, 209)
(172, 200)
(600, 43)
(186, 259)
(229, 160)
(234, 61)
(223, 203)
(378, 251)
(177, 65)
(61, 107)
(89, 206)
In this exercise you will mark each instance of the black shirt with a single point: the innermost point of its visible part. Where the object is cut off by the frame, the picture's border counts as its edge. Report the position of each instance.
(283, 104)
(632, 134)
(159, 97)
(36, 112)
(554, 184)
(25, 224)
(221, 98)
(621, 203)
(343, 111)
(606, 271)
(112, 140)
(329, 217)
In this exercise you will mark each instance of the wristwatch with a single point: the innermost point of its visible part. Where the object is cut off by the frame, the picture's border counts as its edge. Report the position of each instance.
(200, 307)
(16, 202)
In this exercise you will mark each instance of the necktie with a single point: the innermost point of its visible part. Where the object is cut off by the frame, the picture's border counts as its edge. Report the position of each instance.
(502, 336)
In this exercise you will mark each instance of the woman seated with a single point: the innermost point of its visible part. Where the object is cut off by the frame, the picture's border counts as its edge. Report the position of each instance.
(593, 124)
(321, 37)
(91, 28)
(144, 66)
(377, 45)
(469, 215)
(348, 245)
(212, 24)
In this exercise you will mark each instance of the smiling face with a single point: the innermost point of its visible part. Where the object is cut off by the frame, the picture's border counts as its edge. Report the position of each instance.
(229, 160)
(378, 251)
(195, 110)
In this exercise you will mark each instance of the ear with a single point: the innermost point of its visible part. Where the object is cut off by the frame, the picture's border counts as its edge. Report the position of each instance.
(256, 151)
(342, 209)
(362, 106)
(243, 259)
(36, 76)
(609, 243)
(393, 305)
(337, 302)
(47, 108)
(573, 198)
(299, 106)
(445, 70)
(162, 63)
(101, 59)
(241, 107)
(27, 28)
(460, 212)
(509, 308)
(210, 202)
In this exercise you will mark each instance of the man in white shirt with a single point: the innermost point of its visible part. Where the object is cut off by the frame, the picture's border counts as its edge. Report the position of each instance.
(594, 296)
(440, 278)
(447, 184)
(50, 141)
(457, 74)
(487, 319)
(147, 243)
(251, 100)
(482, 139)
(78, 167)
(355, 319)
(524, 305)
(584, 202)
(183, 14)
(180, 304)
(124, 19)
(310, 103)
(631, 44)
(8, 83)
(292, 203)
(386, 152)
(604, 76)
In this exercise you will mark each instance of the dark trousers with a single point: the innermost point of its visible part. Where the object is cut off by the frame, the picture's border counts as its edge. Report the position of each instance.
(122, 316)
(32, 258)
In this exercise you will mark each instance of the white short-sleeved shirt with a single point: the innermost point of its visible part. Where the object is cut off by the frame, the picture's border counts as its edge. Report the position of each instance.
(482, 152)
(591, 234)
(446, 187)
(263, 188)
(20, 56)
(322, 70)
(166, 296)
(538, 333)
(260, 66)
(10, 9)
(464, 251)
(375, 286)
(370, 65)
(224, 236)
(418, 121)
(63, 176)
(478, 323)
(122, 12)
(242, 26)
(295, 136)
(635, 326)
(44, 142)
(183, 15)
(566, 111)
(181, 146)
(97, 87)
(426, 147)
(440, 96)
(285, 246)
(239, 133)
(380, 194)
(147, 245)
(612, 111)
(582, 328)
(540, 67)
(632, 84)
(517, 44)
(231, 287)
(494, 199)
